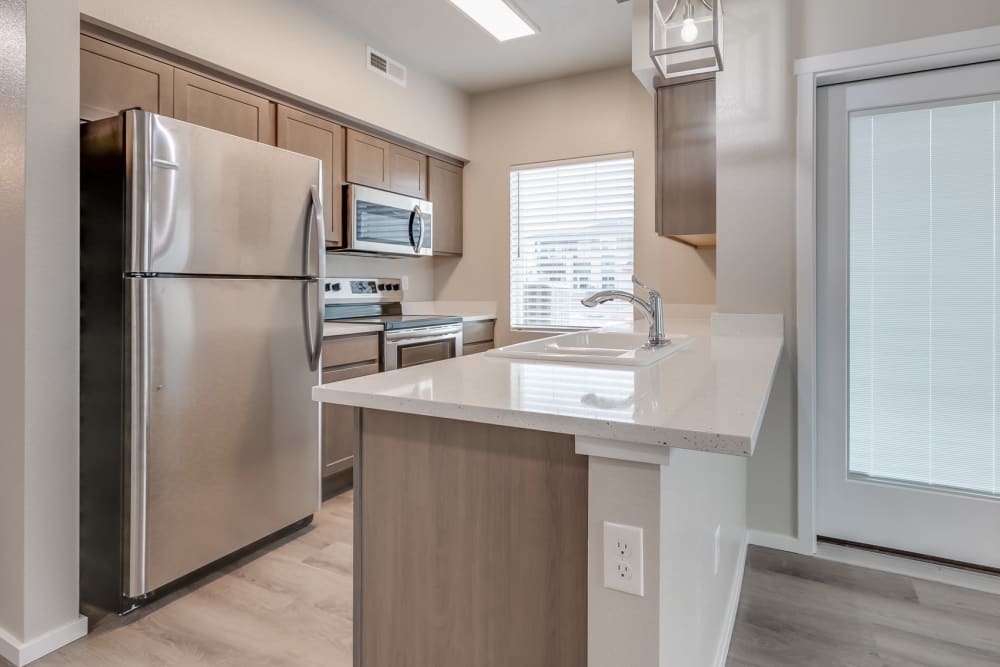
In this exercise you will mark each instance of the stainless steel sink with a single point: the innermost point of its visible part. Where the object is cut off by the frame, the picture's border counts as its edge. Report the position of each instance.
(618, 348)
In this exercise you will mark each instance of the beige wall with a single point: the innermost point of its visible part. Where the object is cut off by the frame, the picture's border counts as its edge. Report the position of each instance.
(39, 512)
(756, 179)
(591, 114)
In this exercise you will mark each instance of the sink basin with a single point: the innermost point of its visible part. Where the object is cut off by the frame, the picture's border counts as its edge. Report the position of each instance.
(618, 348)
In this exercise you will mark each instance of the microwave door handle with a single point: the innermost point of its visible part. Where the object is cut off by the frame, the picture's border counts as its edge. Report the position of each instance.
(420, 220)
(413, 214)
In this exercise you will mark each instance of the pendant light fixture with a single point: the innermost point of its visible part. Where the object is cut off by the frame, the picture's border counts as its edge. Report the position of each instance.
(687, 38)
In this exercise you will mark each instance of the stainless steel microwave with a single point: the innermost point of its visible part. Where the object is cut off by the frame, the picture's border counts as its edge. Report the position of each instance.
(386, 223)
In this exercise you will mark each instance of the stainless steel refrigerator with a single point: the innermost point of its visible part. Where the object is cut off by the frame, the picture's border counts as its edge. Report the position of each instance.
(201, 329)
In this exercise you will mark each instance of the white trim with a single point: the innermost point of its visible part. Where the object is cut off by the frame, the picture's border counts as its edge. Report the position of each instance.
(949, 50)
(722, 655)
(768, 540)
(622, 451)
(21, 653)
(582, 159)
(917, 569)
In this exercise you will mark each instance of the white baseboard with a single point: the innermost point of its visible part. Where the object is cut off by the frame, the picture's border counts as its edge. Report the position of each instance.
(733, 606)
(763, 538)
(917, 569)
(21, 653)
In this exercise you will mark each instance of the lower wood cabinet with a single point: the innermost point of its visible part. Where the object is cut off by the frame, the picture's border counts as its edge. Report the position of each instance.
(344, 357)
(213, 104)
(477, 336)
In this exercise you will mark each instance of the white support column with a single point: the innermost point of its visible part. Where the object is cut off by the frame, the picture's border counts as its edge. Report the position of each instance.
(693, 515)
(39, 341)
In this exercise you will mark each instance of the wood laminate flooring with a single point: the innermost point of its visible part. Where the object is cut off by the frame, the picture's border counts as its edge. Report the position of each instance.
(290, 605)
(796, 610)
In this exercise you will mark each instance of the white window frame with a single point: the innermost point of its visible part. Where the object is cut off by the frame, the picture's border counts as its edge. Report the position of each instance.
(553, 163)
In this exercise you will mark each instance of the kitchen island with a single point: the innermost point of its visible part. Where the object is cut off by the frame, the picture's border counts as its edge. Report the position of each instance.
(483, 485)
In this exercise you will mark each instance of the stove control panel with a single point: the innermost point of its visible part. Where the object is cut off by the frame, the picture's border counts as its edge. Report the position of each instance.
(363, 290)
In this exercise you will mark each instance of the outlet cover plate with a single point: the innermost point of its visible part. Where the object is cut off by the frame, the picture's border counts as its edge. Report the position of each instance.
(623, 566)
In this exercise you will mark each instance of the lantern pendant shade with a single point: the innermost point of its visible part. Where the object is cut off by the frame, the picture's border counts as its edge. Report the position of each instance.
(685, 36)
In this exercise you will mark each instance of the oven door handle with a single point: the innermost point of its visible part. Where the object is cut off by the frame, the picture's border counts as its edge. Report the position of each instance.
(398, 339)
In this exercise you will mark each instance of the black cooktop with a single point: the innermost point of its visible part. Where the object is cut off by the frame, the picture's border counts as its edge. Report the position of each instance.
(397, 322)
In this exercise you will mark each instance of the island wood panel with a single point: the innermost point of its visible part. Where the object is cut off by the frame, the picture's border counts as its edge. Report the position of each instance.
(113, 78)
(216, 105)
(471, 545)
(685, 162)
(319, 138)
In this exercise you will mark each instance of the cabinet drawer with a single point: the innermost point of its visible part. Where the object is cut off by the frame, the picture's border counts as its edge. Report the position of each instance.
(356, 371)
(477, 332)
(345, 350)
(476, 348)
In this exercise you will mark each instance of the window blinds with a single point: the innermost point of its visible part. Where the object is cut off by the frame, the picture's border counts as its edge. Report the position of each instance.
(571, 226)
(923, 336)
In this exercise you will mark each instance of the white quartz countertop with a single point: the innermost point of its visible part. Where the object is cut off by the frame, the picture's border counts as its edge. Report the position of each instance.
(708, 396)
(469, 311)
(348, 328)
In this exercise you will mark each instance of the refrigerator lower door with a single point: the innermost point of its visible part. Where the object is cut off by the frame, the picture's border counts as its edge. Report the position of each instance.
(224, 434)
(207, 202)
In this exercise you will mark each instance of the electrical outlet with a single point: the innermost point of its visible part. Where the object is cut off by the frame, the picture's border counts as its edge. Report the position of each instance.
(718, 547)
(623, 570)
(405, 282)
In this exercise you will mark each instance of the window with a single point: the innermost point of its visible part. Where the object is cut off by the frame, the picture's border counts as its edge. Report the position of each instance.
(571, 234)
(923, 296)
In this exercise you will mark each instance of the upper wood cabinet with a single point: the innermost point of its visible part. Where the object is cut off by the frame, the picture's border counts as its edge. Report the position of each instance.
(113, 78)
(444, 182)
(381, 164)
(407, 171)
(311, 135)
(367, 160)
(685, 162)
(210, 103)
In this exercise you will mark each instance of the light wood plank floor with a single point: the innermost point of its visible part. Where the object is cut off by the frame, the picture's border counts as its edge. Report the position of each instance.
(290, 606)
(798, 611)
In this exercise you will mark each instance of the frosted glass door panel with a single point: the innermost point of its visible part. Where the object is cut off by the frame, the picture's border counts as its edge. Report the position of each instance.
(922, 336)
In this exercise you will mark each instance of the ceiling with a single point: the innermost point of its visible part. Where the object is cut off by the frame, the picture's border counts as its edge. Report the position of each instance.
(435, 37)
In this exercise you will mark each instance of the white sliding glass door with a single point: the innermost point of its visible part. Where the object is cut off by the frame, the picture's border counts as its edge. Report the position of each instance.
(909, 344)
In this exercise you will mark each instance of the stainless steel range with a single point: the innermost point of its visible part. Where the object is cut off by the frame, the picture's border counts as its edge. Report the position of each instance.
(407, 340)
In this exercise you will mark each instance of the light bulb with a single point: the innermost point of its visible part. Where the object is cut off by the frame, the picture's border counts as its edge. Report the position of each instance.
(689, 31)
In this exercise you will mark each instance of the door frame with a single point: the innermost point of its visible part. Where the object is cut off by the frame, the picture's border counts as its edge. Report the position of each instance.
(948, 50)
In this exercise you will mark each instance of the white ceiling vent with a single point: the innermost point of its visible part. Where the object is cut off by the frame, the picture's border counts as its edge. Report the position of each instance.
(386, 66)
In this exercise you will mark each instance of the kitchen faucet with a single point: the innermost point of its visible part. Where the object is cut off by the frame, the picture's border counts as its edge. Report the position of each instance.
(652, 310)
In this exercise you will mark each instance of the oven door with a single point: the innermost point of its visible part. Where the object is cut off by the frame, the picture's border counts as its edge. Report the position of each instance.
(413, 347)
(387, 223)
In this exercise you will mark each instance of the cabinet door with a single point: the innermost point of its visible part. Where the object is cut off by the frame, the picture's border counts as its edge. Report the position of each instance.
(304, 133)
(367, 160)
(445, 186)
(339, 435)
(209, 103)
(113, 78)
(685, 162)
(407, 172)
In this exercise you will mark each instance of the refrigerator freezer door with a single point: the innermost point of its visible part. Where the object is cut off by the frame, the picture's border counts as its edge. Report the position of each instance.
(205, 202)
(224, 432)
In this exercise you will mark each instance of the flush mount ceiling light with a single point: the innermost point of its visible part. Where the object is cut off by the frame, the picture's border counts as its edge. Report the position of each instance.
(687, 38)
(498, 18)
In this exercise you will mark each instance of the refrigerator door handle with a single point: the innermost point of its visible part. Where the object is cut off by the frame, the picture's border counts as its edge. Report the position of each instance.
(314, 232)
(314, 332)
(139, 427)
